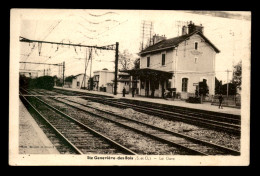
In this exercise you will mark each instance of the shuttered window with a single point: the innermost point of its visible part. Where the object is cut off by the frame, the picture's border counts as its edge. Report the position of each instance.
(163, 59)
(184, 84)
(196, 46)
(148, 61)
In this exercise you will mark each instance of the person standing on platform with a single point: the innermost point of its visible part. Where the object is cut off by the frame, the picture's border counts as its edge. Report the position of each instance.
(124, 92)
(220, 98)
(133, 92)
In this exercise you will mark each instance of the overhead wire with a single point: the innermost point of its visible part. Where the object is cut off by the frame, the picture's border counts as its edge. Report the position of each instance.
(45, 36)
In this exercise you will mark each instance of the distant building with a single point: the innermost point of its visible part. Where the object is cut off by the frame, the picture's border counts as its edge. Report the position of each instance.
(178, 64)
(102, 78)
(78, 82)
(104, 81)
(123, 81)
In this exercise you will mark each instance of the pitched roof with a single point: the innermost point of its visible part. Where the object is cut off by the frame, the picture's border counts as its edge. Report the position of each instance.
(173, 42)
(79, 75)
(148, 72)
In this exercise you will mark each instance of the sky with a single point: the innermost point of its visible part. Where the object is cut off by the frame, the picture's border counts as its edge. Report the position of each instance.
(105, 27)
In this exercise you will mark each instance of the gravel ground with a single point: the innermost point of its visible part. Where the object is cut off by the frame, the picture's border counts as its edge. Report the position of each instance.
(221, 138)
(136, 142)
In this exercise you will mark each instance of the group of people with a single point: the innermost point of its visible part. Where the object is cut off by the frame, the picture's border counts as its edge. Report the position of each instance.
(124, 92)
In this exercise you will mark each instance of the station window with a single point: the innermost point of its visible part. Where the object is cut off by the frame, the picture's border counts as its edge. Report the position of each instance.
(148, 61)
(77, 83)
(196, 45)
(184, 84)
(163, 59)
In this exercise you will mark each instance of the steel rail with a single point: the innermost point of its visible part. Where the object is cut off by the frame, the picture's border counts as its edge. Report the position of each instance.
(170, 108)
(139, 131)
(177, 108)
(174, 113)
(198, 111)
(235, 129)
(54, 128)
(119, 146)
(231, 128)
(193, 151)
(198, 141)
(223, 148)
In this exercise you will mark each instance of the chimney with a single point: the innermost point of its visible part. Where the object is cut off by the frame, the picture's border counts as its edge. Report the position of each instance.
(184, 30)
(157, 38)
(192, 27)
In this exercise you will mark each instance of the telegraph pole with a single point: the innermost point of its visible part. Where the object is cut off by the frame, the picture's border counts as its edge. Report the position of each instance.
(90, 64)
(116, 68)
(227, 80)
(63, 72)
(84, 77)
(143, 37)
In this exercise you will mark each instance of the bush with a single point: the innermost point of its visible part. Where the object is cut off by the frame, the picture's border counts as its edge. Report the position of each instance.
(193, 100)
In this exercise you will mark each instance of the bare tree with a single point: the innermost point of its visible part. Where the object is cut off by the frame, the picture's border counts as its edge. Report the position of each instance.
(237, 76)
(126, 61)
(137, 63)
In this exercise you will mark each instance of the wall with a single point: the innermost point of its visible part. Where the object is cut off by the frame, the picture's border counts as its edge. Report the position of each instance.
(156, 61)
(185, 67)
(79, 78)
(104, 78)
(186, 54)
(121, 85)
(181, 60)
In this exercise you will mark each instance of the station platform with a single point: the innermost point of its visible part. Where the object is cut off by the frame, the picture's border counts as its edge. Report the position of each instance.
(204, 106)
(32, 139)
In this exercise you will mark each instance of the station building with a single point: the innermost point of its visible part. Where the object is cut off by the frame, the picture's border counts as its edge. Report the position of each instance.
(78, 81)
(104, 81)
(177, 63)
(102, 78)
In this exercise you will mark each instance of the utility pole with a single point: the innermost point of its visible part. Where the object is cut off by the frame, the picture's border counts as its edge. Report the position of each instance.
(84, 77)
(177, 24)
(90, 63)
(63, 72)
(107, 47)
(151, 28)
(116, 68)
(227, 80)
(143, 37)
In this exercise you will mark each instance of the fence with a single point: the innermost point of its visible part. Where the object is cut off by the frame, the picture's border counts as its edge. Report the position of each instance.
(231, 100)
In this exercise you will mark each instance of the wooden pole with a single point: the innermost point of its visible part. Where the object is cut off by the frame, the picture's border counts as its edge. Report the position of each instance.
(63, 72)
(116, 68)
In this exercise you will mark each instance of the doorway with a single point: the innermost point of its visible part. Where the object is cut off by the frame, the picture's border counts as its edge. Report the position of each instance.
(147, 88)
(162, 83)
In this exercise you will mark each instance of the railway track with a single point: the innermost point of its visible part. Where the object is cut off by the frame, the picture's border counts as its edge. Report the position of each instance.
(78, 136)
(229, 118)
(229, 124)
(185, 142)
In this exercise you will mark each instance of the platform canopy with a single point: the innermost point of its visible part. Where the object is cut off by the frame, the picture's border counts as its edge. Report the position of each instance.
(148, 73)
